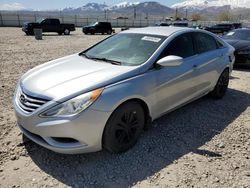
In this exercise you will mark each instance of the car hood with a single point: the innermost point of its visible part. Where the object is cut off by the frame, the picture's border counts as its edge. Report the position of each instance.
(72, 75)
(26, 23)
(239, 44)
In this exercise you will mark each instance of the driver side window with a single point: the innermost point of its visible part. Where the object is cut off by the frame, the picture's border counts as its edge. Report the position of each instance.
(181, 46)
(45, 22)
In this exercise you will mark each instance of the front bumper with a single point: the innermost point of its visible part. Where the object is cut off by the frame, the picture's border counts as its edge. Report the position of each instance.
(80, 134)
(24, 29)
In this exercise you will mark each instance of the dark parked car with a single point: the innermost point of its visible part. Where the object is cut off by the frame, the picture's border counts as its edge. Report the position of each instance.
(240, 40)
(220, 28)
(48, 25)
(237, 25)
(162, 24)
(98, 27)
(180, 24)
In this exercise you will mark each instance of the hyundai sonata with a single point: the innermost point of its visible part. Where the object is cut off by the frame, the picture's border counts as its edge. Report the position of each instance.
(105, 96)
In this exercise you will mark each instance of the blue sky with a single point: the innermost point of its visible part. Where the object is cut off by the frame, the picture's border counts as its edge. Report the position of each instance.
(60, 4)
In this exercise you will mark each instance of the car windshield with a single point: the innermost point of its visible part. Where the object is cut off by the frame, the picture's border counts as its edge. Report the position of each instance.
(40, 20)
(238, 35)
(93, 24)
(126, 49)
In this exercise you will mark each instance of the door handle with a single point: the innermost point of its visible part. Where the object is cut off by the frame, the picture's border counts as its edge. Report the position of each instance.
(195, 66)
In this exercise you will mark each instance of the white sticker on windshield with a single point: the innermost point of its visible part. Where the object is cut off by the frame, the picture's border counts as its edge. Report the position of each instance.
(230, 33)
(152, 39)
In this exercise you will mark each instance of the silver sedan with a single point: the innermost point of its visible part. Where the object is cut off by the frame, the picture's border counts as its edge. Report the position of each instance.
(105, 96)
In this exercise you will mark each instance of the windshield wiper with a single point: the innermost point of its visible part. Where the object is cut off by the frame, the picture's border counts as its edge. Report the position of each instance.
(101, 59)
(85, 55)
(106, 60)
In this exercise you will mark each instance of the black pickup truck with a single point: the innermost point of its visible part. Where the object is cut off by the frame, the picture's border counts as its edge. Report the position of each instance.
(48, 25)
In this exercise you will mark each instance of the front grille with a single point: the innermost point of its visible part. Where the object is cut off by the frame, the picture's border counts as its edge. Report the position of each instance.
(29, 103)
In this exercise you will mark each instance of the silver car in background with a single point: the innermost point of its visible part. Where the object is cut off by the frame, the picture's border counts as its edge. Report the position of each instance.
(105, 96)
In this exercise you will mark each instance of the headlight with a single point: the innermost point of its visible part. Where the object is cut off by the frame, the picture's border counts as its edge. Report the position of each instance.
(246, 52)
(73, 106)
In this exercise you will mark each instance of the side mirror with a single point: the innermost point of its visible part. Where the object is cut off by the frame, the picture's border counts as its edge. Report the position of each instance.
(170, 61)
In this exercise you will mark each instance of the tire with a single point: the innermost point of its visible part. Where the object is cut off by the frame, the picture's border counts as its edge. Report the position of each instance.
(221, 87)
(66, 32)
(29, 33)
(124, 127)
(59, 33)
(109, 32)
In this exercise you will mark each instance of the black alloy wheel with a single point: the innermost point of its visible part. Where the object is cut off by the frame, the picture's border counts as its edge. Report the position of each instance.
(221, 86)
(124, 127)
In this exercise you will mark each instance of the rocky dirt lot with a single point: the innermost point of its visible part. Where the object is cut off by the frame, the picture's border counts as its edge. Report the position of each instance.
(204, 144)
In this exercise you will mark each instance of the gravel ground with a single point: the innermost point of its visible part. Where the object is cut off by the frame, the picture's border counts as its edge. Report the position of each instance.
(204, 144)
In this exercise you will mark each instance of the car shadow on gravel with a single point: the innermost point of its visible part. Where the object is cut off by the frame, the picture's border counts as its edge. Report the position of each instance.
(172, 136)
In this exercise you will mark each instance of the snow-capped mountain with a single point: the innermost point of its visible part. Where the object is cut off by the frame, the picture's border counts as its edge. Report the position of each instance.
(123, 5)
(12, 7)
(202, 4)
(145, 9)
(94, 7)
(123, 9)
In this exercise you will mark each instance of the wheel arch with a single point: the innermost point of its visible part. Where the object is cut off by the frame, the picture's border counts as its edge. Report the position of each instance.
(145, 108)
(143, 104)
(225, 69)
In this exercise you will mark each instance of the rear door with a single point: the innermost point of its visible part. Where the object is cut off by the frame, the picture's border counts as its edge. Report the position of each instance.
(209, 56)
(99, 27)
(54, 25)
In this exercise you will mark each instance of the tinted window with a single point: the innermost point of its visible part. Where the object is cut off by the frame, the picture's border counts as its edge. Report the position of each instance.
(181, 46)
(204, 43)
(46, 22)
(54, 21)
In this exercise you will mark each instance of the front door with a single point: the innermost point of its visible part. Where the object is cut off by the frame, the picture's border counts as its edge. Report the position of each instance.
(177, 85)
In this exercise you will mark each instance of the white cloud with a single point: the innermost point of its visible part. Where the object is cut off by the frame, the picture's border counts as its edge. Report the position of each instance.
(11, 6)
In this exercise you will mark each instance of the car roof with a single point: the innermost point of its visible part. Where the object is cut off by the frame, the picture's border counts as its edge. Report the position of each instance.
(164, 31)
